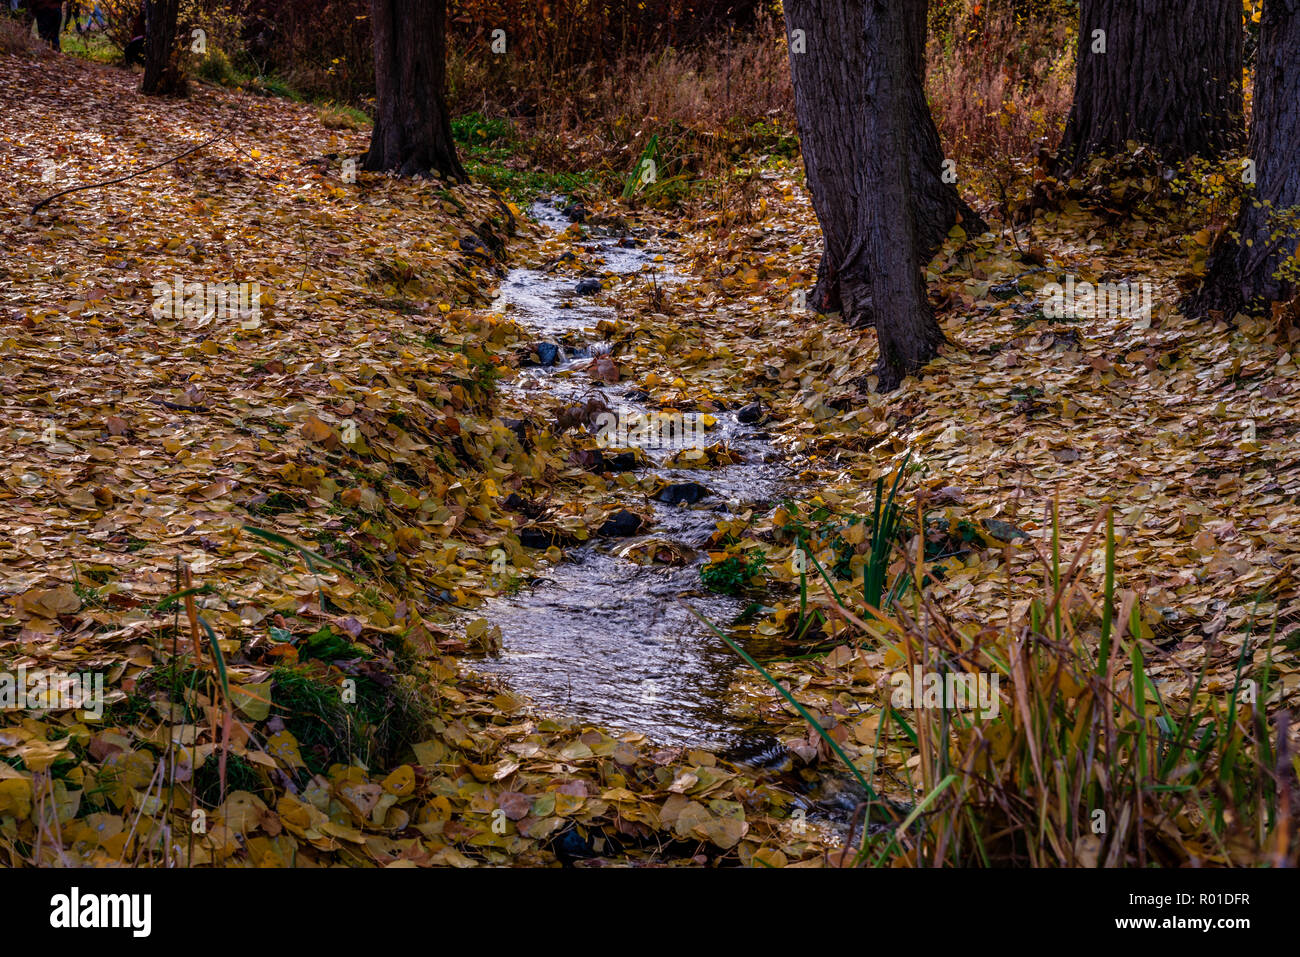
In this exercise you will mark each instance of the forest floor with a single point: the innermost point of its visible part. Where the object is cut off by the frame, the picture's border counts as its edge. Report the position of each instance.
(336, 474)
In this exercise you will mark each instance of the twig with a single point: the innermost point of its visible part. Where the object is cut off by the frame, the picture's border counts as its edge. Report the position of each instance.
(192, 615)
(119, 179)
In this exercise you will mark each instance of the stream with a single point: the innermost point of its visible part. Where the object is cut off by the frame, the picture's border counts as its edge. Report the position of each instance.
(600, 638)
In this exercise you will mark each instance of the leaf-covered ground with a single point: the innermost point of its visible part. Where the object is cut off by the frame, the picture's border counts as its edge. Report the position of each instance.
(357, 426)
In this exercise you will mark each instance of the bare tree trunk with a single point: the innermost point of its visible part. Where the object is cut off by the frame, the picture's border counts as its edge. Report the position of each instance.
(939, 206)
(1166, 73)
(1245, 272)
(828, 78)
(162, 68)
(412, 134)
(857, 90)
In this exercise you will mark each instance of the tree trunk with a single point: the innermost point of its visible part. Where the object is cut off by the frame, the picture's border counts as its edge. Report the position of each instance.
(856, 94)
(412, 134)
(162, 68)
(1245, 269)
(938, 204)
(1169, 77)
(828, 79)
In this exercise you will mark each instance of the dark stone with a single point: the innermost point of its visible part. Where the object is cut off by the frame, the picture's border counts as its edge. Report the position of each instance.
(679, 492)
(575, 213)
(570, 846)
(517, 503)
(548, 353)
(618, 462)
(533, 537)
(766, 753)
(473, 246)
(588, 287)
(621, 523)
(671, 234)
(595, 460)
(750, 414)
(520, 428)
(1003, 531)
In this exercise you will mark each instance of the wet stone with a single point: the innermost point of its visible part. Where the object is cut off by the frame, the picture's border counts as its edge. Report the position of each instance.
(622, 523)
(588, 287)
(595, 460)
(534, 537)
(516, 503)
(682, 492)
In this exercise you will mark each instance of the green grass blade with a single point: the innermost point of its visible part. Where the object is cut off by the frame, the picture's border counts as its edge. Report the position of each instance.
(803, 712)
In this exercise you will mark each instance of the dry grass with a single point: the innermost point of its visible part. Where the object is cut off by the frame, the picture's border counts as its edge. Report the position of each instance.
(1084, 763)
(999, 85)
(703, 103)
(17, 37)
(999, 89)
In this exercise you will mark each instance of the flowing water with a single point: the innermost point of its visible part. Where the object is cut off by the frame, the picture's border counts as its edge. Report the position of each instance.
(602, 638)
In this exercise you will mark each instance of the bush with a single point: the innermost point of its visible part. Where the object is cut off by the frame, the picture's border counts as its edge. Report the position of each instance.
(17, 37)
(215, 67)
(336, 117)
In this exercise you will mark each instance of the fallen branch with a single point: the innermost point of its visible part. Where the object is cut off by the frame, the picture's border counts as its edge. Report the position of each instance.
(119, 179)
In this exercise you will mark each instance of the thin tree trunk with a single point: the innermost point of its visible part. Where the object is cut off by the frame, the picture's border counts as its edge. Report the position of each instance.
(162, 69)
(828, 78)
(856, 93)
(1246, 268)
(412, 134)
(1165, 73)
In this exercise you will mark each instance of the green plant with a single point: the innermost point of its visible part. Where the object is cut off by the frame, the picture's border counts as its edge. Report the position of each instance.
(885, 529)
(885, 523)
(240, 775)
(214, 66)
(475, 130)
(342, 719)
(735, 573)
(1084, 761)
(338, 116)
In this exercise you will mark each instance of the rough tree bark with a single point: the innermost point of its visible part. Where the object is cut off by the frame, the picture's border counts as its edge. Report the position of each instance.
(162, 67)
(412, 134)
(1170, 77)
(856, 93)
(1243, 271)
(828, 79)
